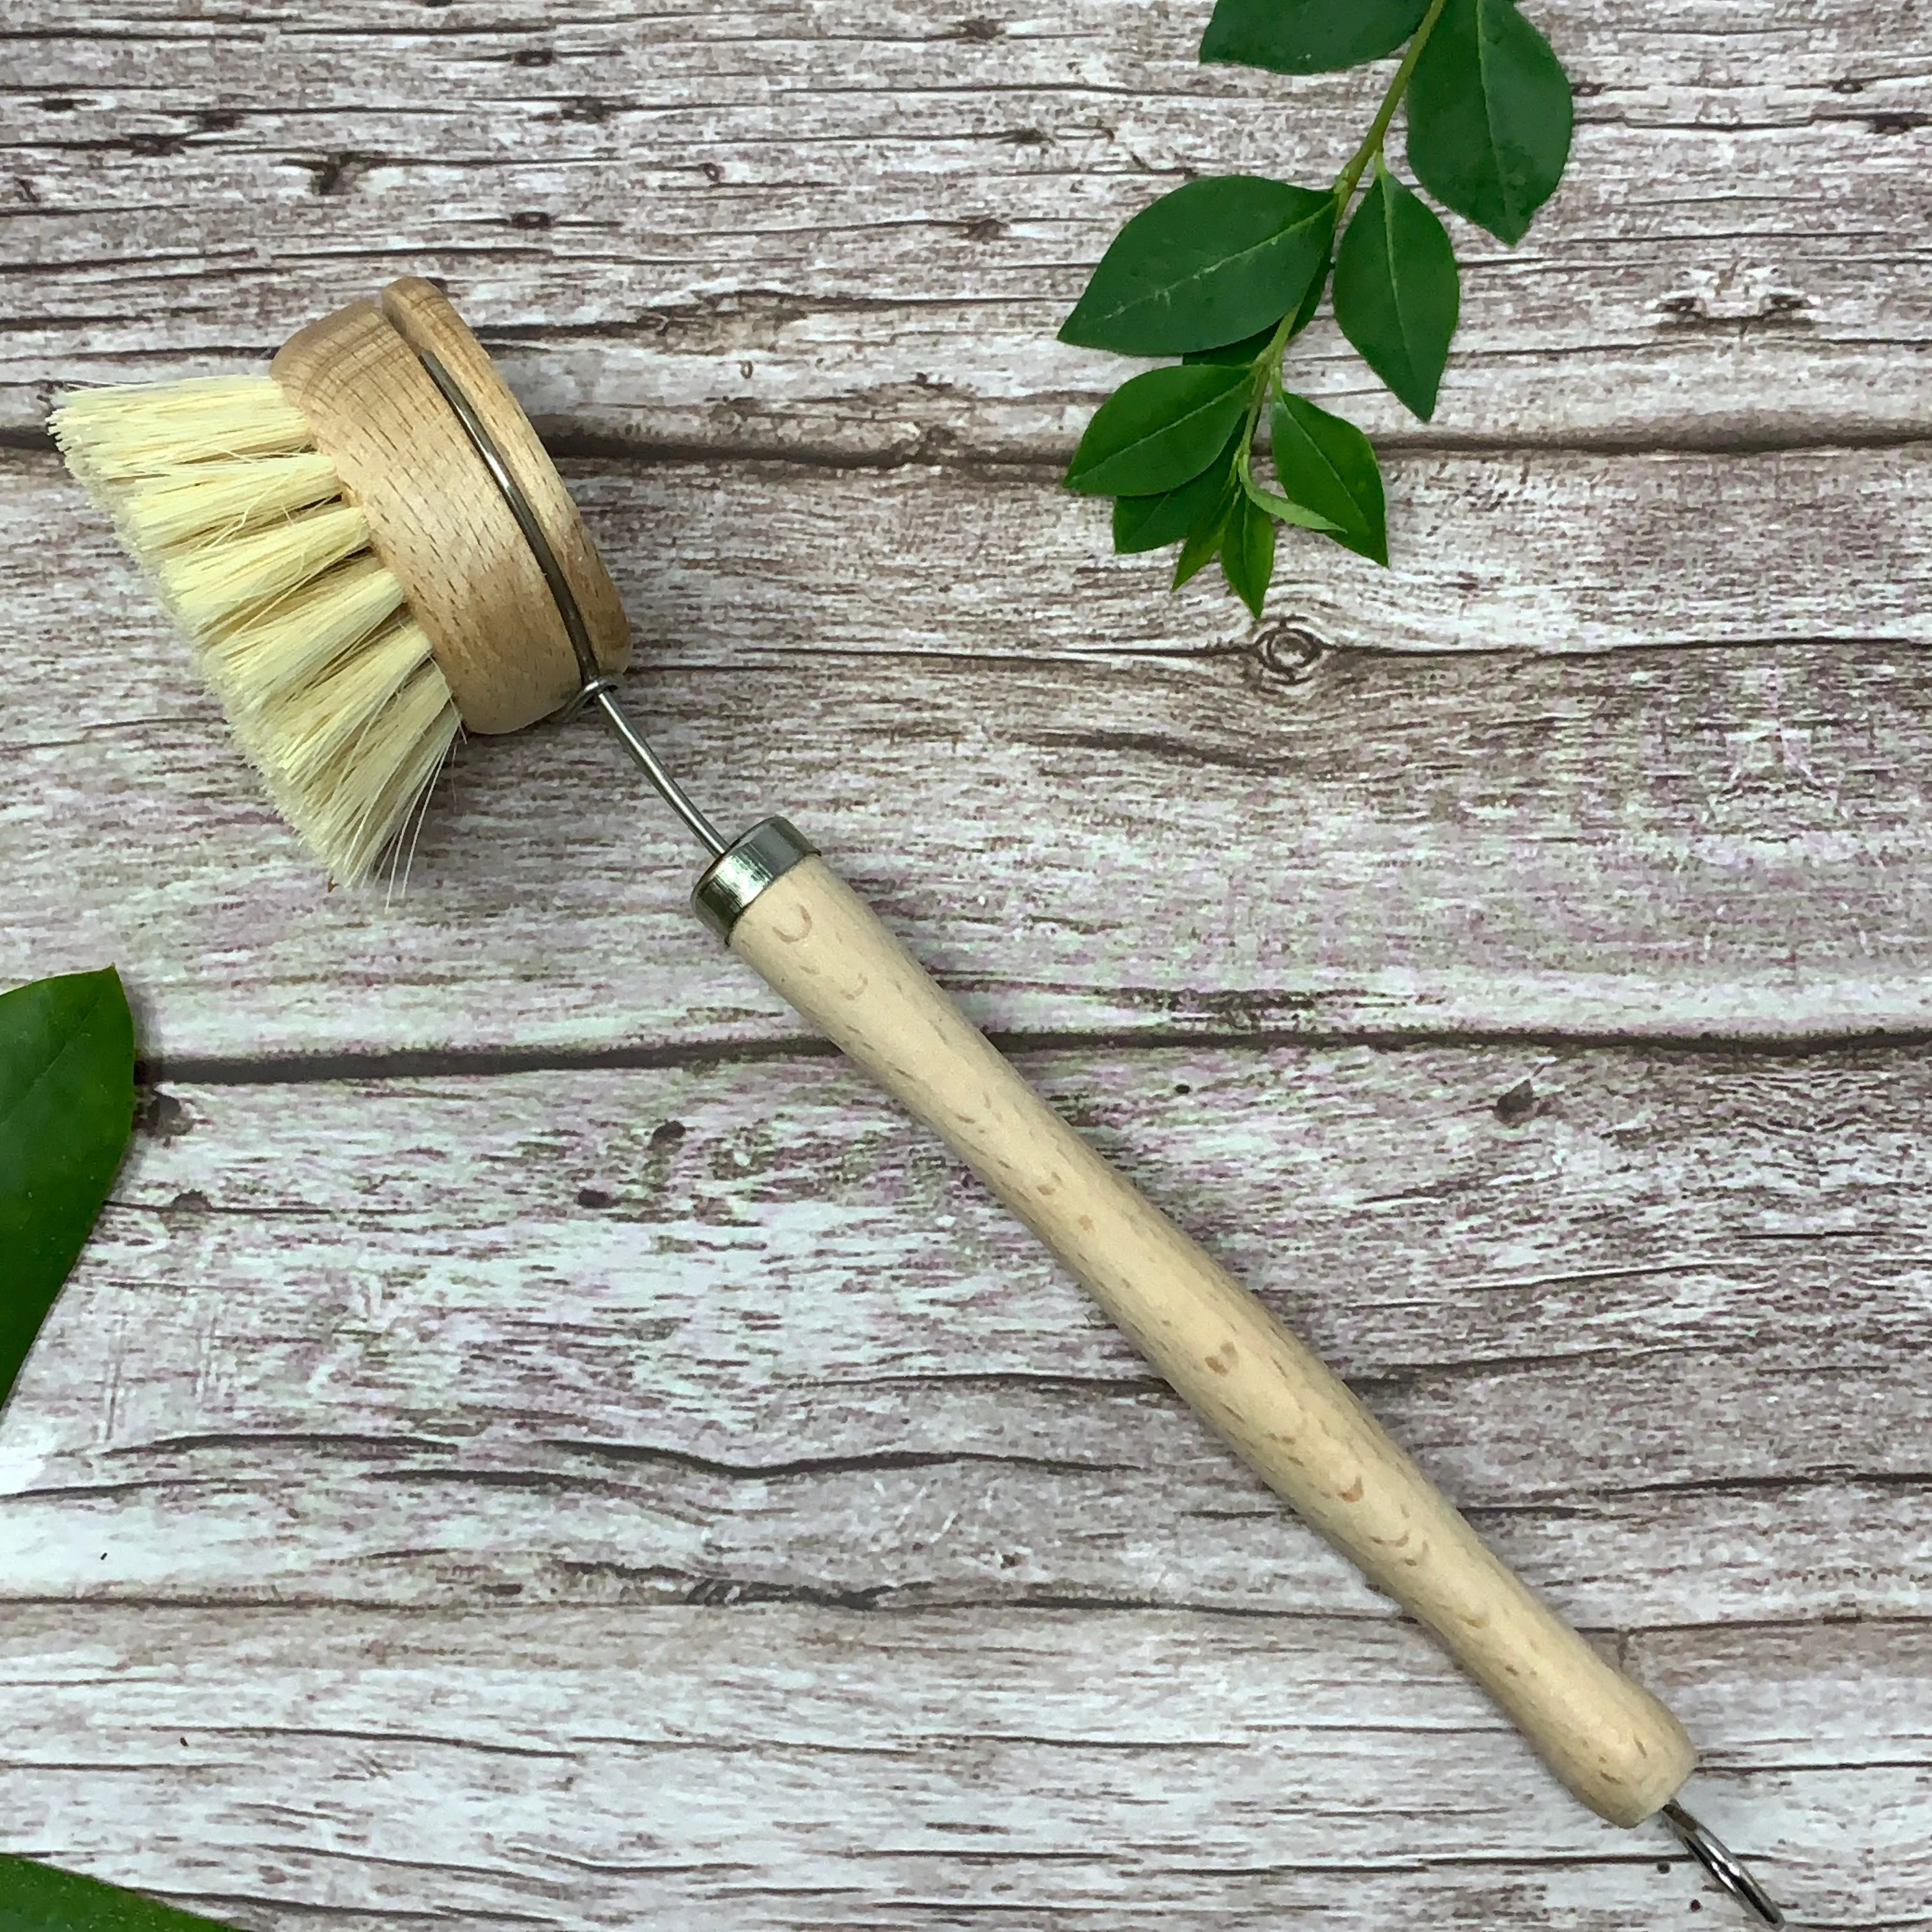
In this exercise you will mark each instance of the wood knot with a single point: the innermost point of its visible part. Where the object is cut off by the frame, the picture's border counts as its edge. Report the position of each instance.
(1519, 1105)
(1223, 1360)
(162, 1117)
(1289, 652)
(337, 173)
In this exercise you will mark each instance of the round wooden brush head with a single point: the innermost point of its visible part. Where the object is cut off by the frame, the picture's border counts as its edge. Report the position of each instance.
(437, 519)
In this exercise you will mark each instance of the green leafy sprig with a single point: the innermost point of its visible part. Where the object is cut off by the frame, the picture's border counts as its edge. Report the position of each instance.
(1226, 272)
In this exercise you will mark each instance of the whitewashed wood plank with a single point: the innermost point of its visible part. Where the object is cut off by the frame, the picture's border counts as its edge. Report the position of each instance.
(795, 266)
(740, 1332)
(779, 1768)
(1088, 804)
(853, 232)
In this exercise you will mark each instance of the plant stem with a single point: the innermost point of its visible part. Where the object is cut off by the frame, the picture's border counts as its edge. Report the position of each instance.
(1267, 364)
(1372, 142)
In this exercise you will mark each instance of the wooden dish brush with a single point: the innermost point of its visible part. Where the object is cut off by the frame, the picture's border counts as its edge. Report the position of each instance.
(368, 549)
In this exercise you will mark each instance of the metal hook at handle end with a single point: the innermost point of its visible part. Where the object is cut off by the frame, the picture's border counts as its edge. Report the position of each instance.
(1722, 1863)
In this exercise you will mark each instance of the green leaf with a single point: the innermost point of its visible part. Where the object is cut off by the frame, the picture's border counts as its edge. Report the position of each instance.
(1204, 540)
(1396, 294)
(1247, 552)
(1208, 264)
(1158, 429)
(67, 1106)
(1308, 36)
(37, 1898)
(1312, 301)
(1247, 350)
(1327, 465)
(1283, 512)
(1489, 116)
(1147, 523)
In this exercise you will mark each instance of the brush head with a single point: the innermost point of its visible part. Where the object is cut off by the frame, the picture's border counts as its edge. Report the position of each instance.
(354, 585)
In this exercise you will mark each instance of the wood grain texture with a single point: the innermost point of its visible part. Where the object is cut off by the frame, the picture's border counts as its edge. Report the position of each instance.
(1288, 1417)
(851, 231)
(534, 1442)
(781, 1767)
(1087, 805)
(436, 518)
(724, 1333)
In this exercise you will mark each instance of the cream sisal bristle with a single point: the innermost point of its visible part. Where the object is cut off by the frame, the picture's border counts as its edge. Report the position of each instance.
(218, 489)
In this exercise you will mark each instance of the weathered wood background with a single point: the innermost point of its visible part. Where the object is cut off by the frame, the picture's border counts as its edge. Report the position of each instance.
(536, 1443)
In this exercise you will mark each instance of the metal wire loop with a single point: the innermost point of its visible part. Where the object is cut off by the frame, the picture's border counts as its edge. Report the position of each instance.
(1722, 1863)
(597, 688)
(591, 692)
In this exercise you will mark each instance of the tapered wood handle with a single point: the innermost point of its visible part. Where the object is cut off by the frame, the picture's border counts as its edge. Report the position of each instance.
(816, 943)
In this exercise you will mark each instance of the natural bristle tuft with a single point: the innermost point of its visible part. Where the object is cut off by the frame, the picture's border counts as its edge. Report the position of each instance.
(211, 583)
(275, 652)
(118, 435)
(222, 498)
(217, 487)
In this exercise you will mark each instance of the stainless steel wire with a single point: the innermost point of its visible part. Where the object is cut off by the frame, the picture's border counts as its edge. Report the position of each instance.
(1703, 1845)
(1722, 1863)
(595, 687)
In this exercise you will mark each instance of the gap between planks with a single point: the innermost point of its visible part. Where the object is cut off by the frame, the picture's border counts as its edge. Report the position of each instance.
(487, 1064)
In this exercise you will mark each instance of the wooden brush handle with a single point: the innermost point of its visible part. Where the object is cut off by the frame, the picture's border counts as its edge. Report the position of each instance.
(816, 943)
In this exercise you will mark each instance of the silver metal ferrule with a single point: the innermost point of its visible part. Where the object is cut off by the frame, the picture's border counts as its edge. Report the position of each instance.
(737, 876)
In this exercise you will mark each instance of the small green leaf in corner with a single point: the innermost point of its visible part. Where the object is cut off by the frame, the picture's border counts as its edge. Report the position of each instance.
(1160, 430)
(35, 1897)
(1328, 465)
(67, 1107)
(1396, 291)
